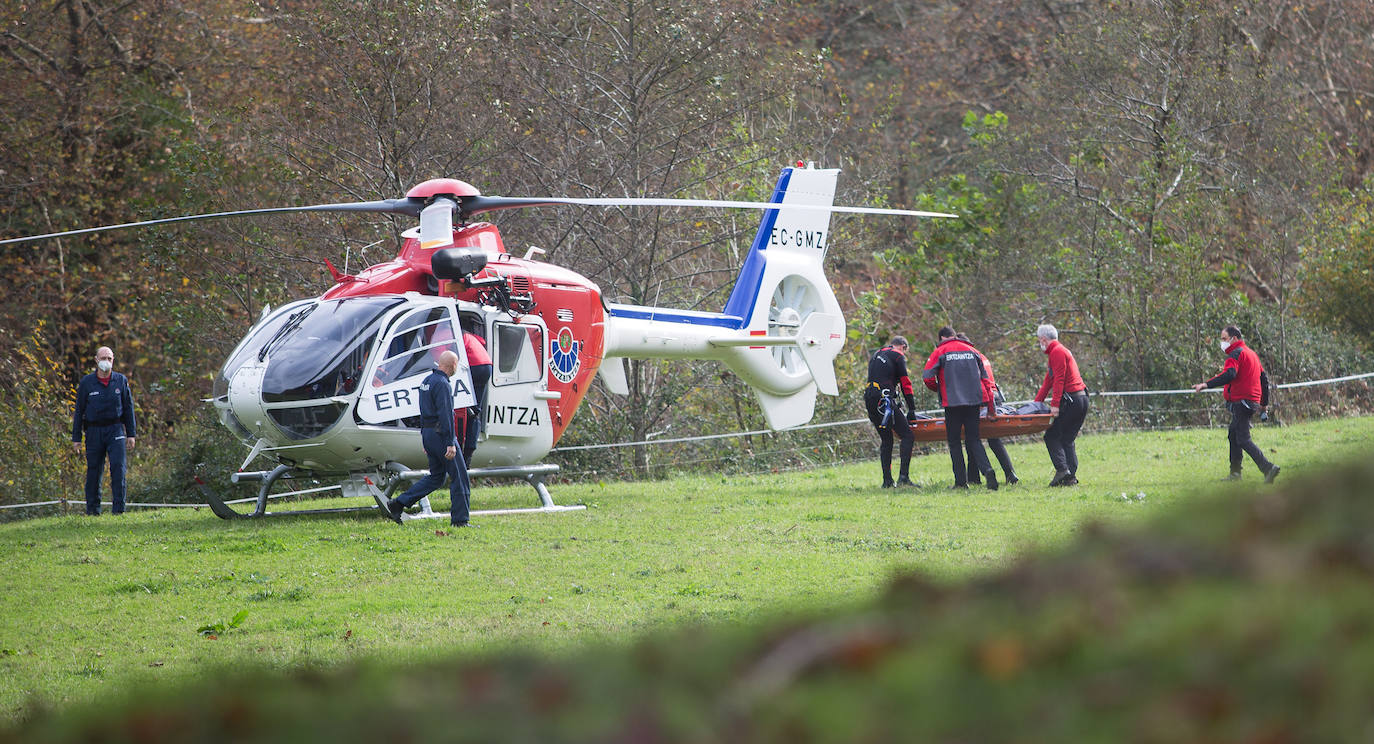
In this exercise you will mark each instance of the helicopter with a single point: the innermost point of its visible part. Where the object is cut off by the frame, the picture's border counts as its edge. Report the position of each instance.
(328, 386)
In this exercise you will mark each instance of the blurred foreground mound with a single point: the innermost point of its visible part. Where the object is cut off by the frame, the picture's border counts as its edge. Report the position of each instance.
(1248, 617)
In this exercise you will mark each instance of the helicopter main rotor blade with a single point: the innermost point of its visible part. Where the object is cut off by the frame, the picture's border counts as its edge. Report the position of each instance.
(471, 205)
(407, 206)
(477, 204)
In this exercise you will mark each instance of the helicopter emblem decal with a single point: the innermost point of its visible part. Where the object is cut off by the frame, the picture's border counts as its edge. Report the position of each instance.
(563, 357)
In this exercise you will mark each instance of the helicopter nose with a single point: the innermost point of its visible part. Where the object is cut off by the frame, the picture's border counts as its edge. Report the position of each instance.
(245, 398)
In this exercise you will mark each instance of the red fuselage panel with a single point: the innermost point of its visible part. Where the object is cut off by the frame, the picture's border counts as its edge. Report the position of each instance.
(569, 304)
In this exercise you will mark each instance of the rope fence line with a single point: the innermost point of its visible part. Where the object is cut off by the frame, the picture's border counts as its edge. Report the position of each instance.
(931, 411)
(799, 450)
(82, 504)
(704, 437)
(762, 432)
(1190, 391)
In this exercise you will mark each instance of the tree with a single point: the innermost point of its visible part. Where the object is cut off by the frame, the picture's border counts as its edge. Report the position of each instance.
(1161, 125)
(635, 99)
(1338, 270)
(104, 107)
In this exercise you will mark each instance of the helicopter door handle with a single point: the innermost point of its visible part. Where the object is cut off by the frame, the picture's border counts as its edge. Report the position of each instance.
(547, 395)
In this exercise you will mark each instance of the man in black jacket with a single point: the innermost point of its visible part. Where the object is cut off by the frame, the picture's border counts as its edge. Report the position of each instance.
(441, 447)
(104, 413)
(887, 378)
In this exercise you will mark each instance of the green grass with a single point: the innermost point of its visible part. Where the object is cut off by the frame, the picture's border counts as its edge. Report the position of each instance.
(95, 605)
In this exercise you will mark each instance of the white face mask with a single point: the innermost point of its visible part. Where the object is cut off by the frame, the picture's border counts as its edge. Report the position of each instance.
(1224, 345)
(104, 365)
(1043, 343)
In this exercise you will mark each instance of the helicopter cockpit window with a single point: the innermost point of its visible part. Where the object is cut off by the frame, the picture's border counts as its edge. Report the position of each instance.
(519, 354)
(250, 346)
(322, 354)
(416, 343)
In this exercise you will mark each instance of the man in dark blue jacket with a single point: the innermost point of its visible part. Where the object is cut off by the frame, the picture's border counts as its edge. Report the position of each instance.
(441, 447)
(104, 413)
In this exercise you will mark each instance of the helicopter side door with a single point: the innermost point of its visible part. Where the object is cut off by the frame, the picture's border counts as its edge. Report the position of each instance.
(406, 353)
(518, 429)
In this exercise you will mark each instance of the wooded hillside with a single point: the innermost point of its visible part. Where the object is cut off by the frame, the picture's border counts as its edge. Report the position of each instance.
(1137, 172)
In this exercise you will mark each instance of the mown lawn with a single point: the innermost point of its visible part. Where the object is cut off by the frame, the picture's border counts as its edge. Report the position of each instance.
(93, 605)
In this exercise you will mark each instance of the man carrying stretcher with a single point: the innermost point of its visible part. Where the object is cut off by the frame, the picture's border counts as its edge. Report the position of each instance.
(956, 371)
(887, 377)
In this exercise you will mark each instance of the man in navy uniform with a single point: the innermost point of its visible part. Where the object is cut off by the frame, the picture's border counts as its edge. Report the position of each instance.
(887, 378)
(104, 413)
(436, 418)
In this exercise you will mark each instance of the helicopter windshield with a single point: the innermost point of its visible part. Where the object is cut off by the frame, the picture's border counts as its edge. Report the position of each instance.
(257, 338)
(322, 353)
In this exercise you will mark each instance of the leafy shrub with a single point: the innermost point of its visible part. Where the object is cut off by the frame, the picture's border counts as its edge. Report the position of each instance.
(36, 459)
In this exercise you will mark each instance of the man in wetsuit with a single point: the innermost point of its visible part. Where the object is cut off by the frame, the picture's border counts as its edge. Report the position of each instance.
(1246, 391)
(887, 377)
(955, 371)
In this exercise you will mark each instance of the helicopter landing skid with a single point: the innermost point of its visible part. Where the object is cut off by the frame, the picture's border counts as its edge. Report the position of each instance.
(269, 478)
(366, 486)
(531, 474)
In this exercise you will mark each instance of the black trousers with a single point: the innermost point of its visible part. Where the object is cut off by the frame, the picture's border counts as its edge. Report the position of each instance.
(1239, 436)
(481, 375)
(896, 424)
(999, 451)
(961, 430)
(1059, 438)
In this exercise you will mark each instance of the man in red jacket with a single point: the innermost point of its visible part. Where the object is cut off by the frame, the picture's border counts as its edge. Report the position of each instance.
(999, 450)
(1246, 391)
(955, 370)
(1068, 400)
(479, 364)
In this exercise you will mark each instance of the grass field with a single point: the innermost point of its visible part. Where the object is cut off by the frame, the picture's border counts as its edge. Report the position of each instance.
(95, 605)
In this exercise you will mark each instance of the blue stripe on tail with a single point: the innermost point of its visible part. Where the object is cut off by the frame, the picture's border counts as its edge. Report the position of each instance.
(745, 295)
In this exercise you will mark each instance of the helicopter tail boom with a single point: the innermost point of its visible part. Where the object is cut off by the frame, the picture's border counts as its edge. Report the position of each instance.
(781, 328)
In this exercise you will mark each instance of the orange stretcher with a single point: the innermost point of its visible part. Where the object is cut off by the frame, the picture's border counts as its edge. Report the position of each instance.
(1005, 425)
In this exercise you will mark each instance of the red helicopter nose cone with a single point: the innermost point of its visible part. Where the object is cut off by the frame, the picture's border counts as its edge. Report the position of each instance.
(442, 186)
